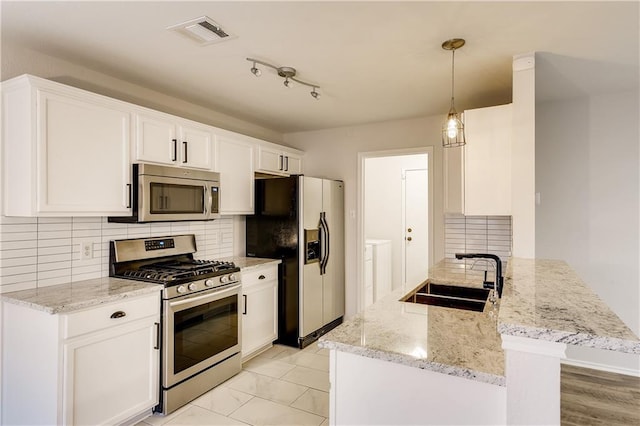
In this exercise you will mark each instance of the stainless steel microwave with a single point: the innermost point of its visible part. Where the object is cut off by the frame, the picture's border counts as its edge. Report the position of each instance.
(166, 193)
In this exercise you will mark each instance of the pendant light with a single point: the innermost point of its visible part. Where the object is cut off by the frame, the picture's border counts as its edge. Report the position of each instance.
(453, 128)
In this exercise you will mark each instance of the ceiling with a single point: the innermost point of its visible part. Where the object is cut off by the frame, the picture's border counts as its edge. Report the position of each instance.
(373, 61)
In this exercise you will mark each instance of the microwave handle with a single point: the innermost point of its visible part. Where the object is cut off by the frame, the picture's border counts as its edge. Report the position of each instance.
(207, 198)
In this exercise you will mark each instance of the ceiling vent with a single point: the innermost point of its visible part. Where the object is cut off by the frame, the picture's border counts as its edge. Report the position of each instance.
(204, 30)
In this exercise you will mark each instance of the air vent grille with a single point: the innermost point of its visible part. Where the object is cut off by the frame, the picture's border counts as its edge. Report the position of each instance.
(203, 30)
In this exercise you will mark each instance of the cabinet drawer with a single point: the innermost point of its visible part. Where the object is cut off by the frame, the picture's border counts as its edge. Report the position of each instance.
(111, 314)
(261, 274)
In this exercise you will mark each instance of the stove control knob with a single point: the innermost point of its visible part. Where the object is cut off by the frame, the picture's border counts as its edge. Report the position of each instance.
(224, 279)
(233, 277)
(181, 289)
(192, 286)
(209, 283)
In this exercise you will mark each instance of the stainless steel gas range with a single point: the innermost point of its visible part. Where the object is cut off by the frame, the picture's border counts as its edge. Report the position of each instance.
(201, 323)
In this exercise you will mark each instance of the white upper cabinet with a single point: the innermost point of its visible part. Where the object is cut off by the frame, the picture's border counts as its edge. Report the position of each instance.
(68, 152)
(235, 166)
(478, 176)
(65, 151)
(166, 139)
(277, 160)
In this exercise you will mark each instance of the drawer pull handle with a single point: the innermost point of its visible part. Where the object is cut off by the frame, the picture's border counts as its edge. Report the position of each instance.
(245, 304)
(118, 314)
(261, 277)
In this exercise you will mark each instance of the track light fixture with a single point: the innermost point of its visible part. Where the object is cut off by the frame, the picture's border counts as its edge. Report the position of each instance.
(288, 73)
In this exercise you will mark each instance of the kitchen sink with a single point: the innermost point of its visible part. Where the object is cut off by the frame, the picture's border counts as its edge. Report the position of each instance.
(449, 296)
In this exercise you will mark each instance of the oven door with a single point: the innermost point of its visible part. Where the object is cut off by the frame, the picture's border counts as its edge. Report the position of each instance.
(169, 198)
(199, 331)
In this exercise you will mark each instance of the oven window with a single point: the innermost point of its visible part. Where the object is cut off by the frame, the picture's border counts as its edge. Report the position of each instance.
(204, 331)
(171, 198)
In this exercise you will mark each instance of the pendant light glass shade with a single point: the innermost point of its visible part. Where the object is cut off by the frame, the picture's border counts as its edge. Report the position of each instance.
(453, 128)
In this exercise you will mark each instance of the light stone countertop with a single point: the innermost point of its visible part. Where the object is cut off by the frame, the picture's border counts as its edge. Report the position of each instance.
(542, 299)
(449, 341)
(66, 298)
(546, 300)
(250, 262)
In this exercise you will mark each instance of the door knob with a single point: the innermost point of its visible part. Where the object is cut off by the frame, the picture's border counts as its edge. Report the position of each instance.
(409, 230)
(408, 238)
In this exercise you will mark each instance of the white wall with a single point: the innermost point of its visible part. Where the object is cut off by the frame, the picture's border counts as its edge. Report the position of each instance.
(587, 174)
(333, 153)
(383, 203)
(523, 156)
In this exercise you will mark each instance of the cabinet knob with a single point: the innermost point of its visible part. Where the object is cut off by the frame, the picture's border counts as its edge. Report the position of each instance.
(408, 238)
(409, 230)
(261, 277)
(118, 314)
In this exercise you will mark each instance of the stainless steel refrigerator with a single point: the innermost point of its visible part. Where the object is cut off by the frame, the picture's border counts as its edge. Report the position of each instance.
(300, 220)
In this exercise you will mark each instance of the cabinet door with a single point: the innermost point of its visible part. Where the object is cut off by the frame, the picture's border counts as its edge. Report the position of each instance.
(156, 139)
(235, 165)
(83, 156)
(487, 161)
(270, 160)
(259, 320)
(111, 375)
(292, 164)
(195, 147)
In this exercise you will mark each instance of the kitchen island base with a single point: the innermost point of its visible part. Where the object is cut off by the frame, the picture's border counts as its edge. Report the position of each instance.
(370, 391)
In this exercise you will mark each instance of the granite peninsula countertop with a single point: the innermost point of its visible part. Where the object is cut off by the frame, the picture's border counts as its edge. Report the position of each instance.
(450, 341)
(542, 299)
(546, 300)
(66, 298)
(250, 262)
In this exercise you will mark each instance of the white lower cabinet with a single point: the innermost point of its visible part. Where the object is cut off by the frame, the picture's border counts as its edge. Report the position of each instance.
(259, 310)
(93, 367)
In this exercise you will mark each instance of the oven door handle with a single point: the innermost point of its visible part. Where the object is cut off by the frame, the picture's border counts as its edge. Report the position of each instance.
(213, 295)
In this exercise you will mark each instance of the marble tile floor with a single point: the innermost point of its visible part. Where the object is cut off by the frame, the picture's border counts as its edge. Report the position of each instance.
(281, 386)
(287, 386)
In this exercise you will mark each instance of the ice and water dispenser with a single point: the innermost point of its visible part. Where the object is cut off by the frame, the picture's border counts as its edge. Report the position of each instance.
(312, 246)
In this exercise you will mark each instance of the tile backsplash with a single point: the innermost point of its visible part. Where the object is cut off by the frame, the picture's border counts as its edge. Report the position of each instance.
(39, 252)
(477, 234)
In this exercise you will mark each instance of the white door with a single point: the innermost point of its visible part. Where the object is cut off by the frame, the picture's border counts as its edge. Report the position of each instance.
(416, 230)
(196, 147)
(236, 176)
(96, 132)
(311, 289)
(111, 375)
(156, 139)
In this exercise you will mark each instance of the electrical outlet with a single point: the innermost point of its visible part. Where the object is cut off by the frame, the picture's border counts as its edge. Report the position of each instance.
(86, 250)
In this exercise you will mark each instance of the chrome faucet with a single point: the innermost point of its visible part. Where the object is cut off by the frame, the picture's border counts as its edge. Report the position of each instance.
(497, 285)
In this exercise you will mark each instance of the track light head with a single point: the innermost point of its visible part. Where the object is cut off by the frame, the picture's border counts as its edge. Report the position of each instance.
(255, 71)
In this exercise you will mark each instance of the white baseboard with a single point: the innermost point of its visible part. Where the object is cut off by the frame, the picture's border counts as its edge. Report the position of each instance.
(602, 367)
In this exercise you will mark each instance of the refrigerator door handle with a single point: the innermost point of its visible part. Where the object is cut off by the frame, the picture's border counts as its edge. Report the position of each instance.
(324, 227)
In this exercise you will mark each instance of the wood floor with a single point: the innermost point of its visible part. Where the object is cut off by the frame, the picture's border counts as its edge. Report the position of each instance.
(593, 397)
